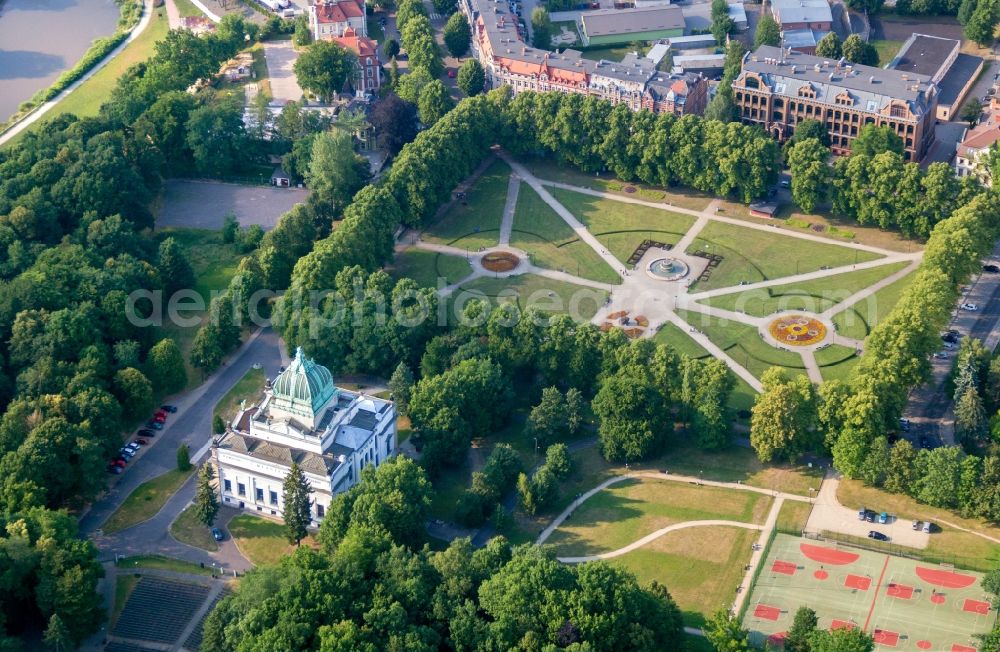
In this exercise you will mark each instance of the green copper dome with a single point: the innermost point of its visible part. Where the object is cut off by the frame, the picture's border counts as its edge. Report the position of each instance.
(304, 388)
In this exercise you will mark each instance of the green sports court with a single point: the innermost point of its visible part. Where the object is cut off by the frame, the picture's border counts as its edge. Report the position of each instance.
(904, 603)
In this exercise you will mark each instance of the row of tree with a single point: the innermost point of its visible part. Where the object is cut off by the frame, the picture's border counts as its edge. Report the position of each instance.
(373, 587)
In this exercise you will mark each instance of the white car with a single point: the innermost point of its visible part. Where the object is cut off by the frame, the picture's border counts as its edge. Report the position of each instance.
(948, 345)
(971, 307)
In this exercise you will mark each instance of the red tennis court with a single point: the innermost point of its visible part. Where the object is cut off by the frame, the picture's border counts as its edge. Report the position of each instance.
(900, 591)
(857, 582)
(886, 638)
(783, 567)
(976, 606)
(766, 612)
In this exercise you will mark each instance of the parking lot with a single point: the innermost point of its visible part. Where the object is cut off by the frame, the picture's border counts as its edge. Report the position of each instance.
(205, 204)
(828, 514)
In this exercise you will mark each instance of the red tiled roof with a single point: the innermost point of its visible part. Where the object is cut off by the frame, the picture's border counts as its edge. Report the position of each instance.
(339, 12)
(359, 45)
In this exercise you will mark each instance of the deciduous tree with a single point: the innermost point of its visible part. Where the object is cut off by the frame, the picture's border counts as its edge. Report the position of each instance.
(471, 77)
(323, 68)
(457, 34)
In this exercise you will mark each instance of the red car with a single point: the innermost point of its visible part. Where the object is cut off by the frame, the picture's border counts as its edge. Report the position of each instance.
(451, 73)
(160, 418)
(117, 462)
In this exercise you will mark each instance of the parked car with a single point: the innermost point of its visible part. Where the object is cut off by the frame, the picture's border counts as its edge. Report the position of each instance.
(169, 408)
(992, 269)
(971, 307)
(155, 425)
(862, 513)
(904, 423)
(141, 442)
(870, 516)
(883, 518)
(878, 536)
(218, 534)
(940, 355)
(950, 337)
(916, 525)
(451, 73)
(127, 453)
(118, 461)
(949, 345)
(134, 447)
(784, 183)
(928, 526)
(114, 469)
(146, 432)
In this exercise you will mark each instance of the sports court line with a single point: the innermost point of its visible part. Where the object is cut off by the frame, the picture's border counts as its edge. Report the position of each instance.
(871, 609)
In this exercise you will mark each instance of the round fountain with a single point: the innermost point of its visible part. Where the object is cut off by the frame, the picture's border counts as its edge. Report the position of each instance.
(667, 269)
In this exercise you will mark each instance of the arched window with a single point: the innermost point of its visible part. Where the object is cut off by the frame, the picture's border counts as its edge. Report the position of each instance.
(751, 82)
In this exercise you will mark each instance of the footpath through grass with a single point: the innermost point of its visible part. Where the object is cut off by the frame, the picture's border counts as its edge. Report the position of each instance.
(428, 267)
(753, 255)
(188, 529)
(474, 222)
(147, 499)
(551, 243)
(632, 509)
(701, 566)
(812, 296)
(531, 290)
(262, 541)
(87, 99)
(621, 227)
(858, 320)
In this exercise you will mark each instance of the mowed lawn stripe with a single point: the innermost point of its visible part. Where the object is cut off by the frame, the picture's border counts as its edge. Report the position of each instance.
(628, 511)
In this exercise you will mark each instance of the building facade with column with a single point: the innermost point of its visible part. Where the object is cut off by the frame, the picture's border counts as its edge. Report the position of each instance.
(331, 433)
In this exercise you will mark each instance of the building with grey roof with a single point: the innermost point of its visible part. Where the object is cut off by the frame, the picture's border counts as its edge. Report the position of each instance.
(777, 88)
(802, 14)
(940, 59)
(614, 26)
(331, 433)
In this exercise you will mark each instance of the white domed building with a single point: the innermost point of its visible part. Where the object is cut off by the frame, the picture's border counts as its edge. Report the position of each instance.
(332, 434)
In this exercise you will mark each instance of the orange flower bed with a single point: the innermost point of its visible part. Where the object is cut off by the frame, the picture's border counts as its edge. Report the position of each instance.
(797, 330)
(500, 261)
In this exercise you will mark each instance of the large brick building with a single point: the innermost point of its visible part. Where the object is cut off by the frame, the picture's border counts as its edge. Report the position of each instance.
(634, 80)
(332, 18)
(778, 88)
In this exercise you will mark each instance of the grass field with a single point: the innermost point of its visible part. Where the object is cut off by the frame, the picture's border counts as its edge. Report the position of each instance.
(858, 320)
(887, 50)
(837, 362)
(682, 342)
(701, 566)
(966, 549)
(904, 604)
(261, 541)
(186, 8)
(476, 223)
(531, 290)
(630, 510)
(214, 263)
(752, 255)
(743, 343)
(88, 97)
(615, 53)
(552, 171)
(248, 388)
(186, 528)
(622, 227)
(813, 296)
(793, 516)
(159, 562)
(427, 267)
(551, 243)
(147, 499)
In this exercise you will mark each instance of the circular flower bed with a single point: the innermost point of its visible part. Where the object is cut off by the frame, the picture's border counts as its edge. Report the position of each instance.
(500, 261)
(797, 330)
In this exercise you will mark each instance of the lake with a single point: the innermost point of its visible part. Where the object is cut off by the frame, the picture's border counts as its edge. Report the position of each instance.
(39, 39)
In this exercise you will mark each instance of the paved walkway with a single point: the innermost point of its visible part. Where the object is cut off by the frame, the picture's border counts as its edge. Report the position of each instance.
(34, 116)
(656, 535)
(174, 20)
(507, 225)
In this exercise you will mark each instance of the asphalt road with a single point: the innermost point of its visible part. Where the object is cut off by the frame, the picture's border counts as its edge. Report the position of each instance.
(191, 425)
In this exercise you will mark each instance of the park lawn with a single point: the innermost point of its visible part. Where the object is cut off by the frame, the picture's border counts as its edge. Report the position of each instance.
(836, 228)
(159, 562)
(632, 509)
(214, 263)
(620, 226)
(858, 320)
(124, 585)
(793, 516)
(701, 566)
(681, 342)
(837, 362)
(186, 8)
(552, 244)
(430, 269)
(476, 223)
(262, 541)
(753, 255)
(813, 296)
(147, 499)
(531, 290)
(248, 388)
(743, 343)
(87, 99)
(973, 552)
(188, 529)
(552, 171)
